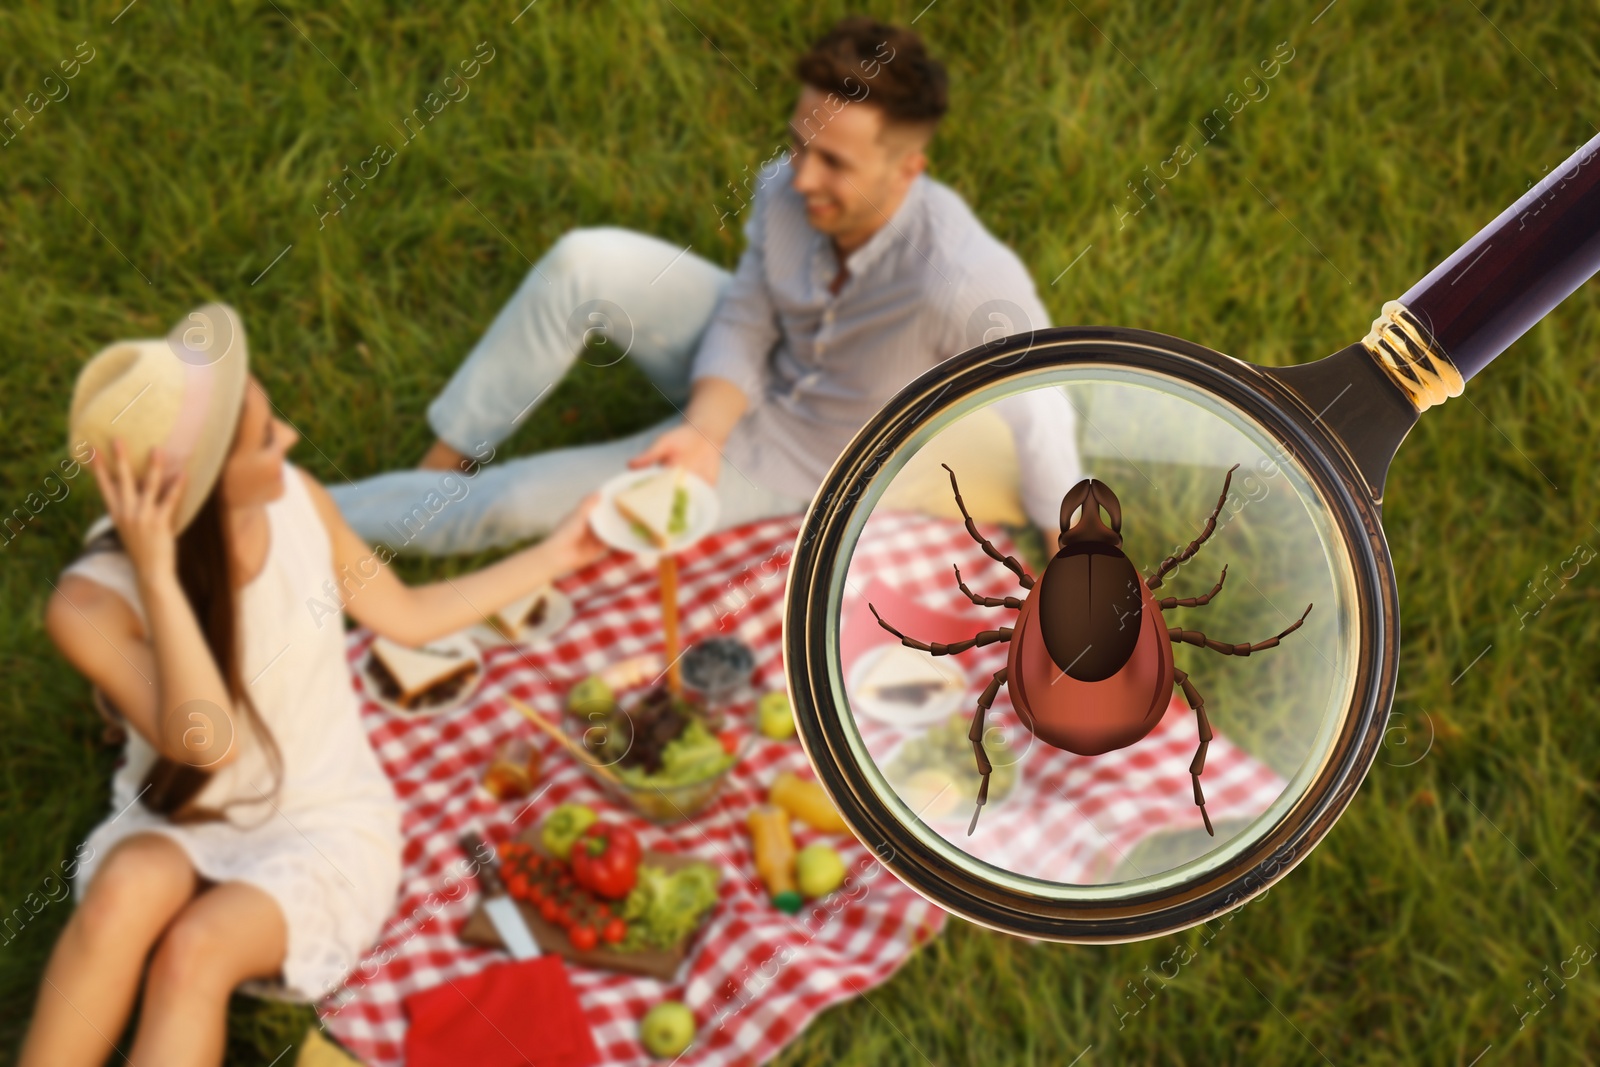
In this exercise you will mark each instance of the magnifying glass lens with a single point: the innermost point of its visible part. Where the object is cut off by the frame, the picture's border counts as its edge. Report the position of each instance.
(1099, 821)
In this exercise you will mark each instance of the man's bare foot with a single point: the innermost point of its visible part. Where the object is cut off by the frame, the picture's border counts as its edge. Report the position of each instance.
(441, 457)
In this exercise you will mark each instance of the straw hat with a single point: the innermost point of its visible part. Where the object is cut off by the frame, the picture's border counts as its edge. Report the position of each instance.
(183, 393)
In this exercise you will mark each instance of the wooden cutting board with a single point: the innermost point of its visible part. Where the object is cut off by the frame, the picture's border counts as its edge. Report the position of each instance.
(653, 962)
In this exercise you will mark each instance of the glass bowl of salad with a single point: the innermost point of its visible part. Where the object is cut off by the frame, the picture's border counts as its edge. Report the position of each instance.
(658, 754)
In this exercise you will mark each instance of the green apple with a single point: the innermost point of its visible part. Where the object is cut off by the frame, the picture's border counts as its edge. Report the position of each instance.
(668, 1028)
(819, 870)
(591, 696)
(773, 716)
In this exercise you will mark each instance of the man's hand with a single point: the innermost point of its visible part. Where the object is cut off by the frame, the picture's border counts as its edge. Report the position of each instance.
(715, 406)
(683, 445)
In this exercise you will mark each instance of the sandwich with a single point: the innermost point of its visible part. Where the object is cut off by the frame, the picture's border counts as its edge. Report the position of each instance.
(418, 677)
(657, 506)
(904, 675)
(518, 617)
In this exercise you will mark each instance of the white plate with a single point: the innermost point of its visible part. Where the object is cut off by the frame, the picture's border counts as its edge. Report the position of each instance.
(938, 707)
(557, 613)
(458, 643)
(615, 530)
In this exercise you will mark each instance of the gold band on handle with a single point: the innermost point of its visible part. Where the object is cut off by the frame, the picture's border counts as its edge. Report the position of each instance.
(1411, 357)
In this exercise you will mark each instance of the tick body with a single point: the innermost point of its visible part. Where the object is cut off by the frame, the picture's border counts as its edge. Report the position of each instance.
(1090, 666)
(1094, 715)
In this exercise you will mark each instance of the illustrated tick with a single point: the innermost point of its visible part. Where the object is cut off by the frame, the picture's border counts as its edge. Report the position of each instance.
(1090, 666)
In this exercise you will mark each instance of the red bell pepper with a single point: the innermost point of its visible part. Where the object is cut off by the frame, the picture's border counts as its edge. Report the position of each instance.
(605, 860)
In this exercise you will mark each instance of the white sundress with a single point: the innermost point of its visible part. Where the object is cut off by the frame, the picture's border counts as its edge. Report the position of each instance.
(327, 847)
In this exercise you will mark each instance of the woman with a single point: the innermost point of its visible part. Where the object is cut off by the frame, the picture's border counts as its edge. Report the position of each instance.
(260, 843)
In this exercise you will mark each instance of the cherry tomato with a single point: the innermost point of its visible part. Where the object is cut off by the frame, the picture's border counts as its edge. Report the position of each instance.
(583, 938)
(730, 741)
(505, 849)
(536, 893)
(548, 908)
(615, 931)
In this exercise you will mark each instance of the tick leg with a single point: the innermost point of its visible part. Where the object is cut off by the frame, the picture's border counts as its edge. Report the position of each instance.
(938, 648)
(993, 552)
(1194, 546)
(1193, 601)
(1195, 637)
(987, 601)
(1198, 766)
(975, 735)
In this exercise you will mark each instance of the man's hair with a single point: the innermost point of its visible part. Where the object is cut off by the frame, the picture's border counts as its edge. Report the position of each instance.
(864, 60)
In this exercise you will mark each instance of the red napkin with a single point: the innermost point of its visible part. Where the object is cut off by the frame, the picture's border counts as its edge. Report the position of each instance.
(861, 631)
(522, 1014)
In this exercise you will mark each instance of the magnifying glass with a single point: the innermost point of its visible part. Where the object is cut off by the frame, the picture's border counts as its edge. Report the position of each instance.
(1115, 809)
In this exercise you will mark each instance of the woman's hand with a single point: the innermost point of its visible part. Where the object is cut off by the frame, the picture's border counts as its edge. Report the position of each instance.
(416, 615)
(573, 540)
(145, 514)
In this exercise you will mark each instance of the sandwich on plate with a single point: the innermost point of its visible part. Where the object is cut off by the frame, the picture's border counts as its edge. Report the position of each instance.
(418, 677)
(520, 616)
(657, 506)
(902, 675)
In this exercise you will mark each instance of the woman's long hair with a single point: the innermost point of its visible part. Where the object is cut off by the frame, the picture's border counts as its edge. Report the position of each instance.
(205, 574)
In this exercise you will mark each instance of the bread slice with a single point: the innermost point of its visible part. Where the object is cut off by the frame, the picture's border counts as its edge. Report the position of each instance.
(520, 616)
(649, 503)
(905, 675)
(417, 672)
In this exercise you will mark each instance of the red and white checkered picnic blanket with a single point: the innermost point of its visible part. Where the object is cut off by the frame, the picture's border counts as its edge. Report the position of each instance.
(756, 976)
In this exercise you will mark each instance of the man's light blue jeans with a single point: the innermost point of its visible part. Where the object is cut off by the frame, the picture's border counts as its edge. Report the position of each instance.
(630, 296)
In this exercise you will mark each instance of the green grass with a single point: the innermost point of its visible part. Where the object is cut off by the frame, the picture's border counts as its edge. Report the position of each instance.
(195, 143)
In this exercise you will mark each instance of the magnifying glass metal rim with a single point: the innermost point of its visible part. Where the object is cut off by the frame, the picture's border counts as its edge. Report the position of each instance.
(1324, 459)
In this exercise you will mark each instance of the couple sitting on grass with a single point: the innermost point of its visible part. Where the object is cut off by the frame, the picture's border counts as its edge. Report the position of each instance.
(253, 838)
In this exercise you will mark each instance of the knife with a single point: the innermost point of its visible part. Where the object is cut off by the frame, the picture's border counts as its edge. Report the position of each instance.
(497, 903)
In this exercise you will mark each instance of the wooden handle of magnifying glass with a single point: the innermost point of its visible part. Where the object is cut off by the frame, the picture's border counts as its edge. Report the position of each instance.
(1492, 289)
(669, 620)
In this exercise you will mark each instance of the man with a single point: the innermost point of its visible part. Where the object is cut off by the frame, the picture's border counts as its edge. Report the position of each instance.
(860, 273)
